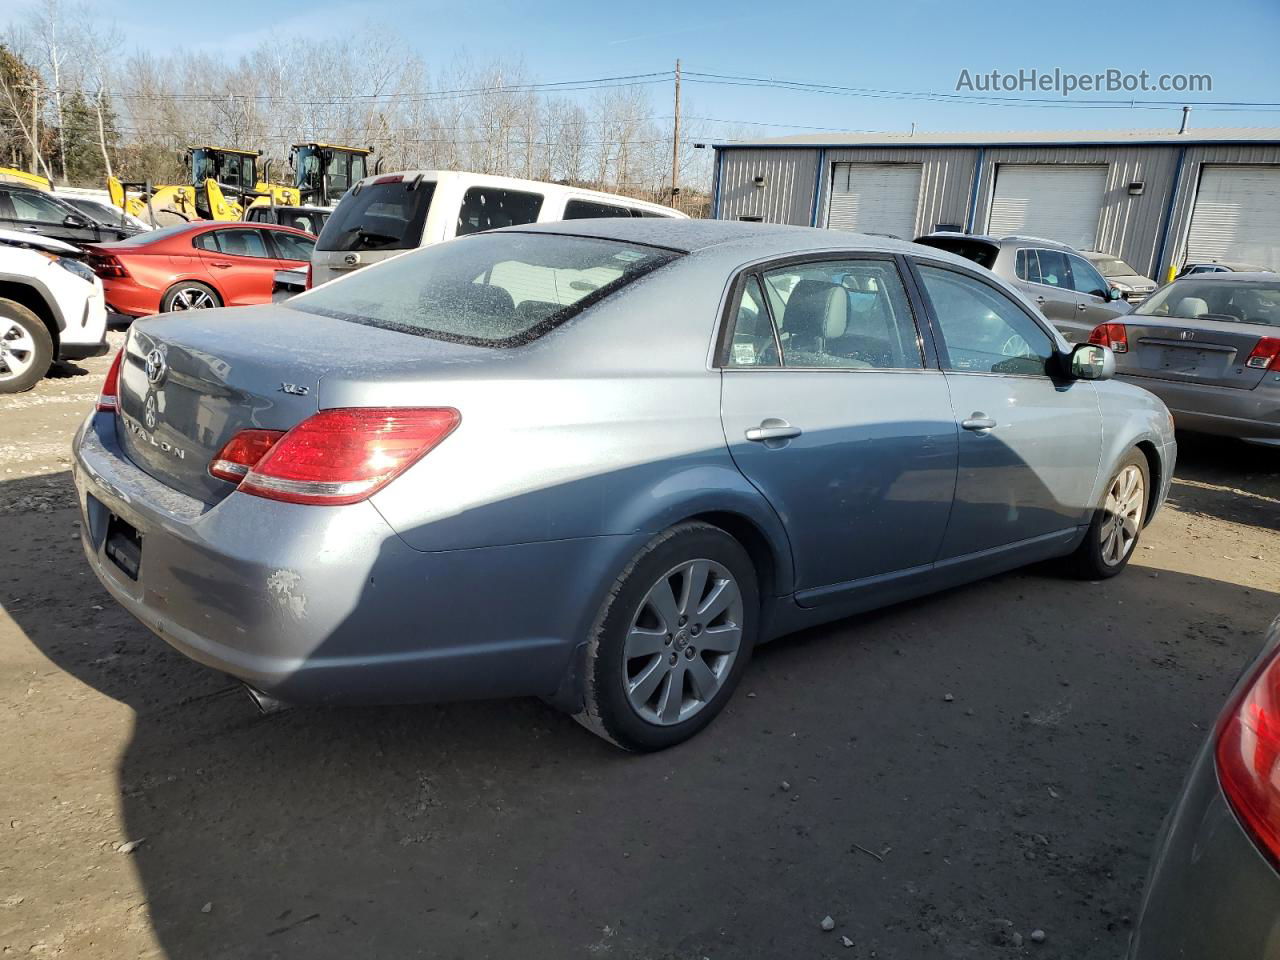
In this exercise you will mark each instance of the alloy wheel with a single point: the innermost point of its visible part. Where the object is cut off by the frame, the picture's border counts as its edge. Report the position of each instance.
(192, 298)
(1122, 515)
(682, 642)
(17, 349)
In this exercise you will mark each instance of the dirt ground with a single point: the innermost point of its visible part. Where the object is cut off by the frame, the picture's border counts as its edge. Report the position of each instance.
(925, 827)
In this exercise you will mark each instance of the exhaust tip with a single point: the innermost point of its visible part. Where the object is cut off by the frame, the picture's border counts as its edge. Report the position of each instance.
(265, 703)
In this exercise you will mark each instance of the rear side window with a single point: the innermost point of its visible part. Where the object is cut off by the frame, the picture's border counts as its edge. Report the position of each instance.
(241, 243)
(488, 208)
(501, 289)
(381, 216)
(290, 246)
(206, 241)
(590, 210)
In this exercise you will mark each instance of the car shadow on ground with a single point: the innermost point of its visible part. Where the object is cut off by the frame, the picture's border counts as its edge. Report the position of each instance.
(934, 775)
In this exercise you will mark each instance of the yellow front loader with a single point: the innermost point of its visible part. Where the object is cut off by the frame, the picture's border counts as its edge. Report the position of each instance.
(21, 178)
(224, 182)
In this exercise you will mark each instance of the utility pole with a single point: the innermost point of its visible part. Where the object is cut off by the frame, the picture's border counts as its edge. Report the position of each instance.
(675, 144)
(35, 127)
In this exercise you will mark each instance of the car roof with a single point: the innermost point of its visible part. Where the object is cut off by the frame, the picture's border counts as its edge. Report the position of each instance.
(691, 236)
(1013, 238)
(516, 183)
(1232, 277)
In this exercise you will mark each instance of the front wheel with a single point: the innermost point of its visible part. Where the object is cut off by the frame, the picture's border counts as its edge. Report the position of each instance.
(672, 639)
(26, 349)
(1117, 524)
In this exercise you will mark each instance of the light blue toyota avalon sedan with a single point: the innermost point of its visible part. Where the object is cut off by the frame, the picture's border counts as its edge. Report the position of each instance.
(598, 462)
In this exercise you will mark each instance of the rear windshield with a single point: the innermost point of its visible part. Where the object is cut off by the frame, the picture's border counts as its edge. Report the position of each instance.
(142, 239)
(980, 252)
(381, 216)
(1229, 300)
(491, 289)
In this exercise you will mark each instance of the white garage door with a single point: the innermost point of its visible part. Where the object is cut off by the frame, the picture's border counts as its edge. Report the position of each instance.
(1055, 201)
(1237, 216)
(875, 198)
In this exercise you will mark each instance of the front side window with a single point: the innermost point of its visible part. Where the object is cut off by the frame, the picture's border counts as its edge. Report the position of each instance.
(384, 215)
(488, 208)
(501, 289)
(845, 313)
(1085, 279)
(984, 331)
(32, 206)
(241, 243)
(1052, 268)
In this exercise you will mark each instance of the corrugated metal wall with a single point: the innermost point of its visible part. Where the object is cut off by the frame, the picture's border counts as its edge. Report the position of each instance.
(787, 194)
(1189, 180)
(944, 181)
(1131, 227)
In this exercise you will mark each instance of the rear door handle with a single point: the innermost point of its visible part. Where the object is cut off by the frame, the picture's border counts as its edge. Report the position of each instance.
(221, 265)
(978, 421)
(1041, 301)
(773, 429)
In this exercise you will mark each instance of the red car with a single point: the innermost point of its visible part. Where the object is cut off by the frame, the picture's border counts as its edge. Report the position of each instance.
(197, 265)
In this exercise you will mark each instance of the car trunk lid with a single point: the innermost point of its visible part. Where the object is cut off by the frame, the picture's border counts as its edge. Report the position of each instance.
(191, 381)
(1192, 351)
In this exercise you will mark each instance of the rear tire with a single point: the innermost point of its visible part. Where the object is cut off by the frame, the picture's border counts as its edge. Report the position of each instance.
(671, 640)
(189, 295)
(26, 348)
(1113, 533)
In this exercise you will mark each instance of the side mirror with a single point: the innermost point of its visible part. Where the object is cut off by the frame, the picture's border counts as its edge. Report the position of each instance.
(73, 220)
(1113, 293)
(1092, 361)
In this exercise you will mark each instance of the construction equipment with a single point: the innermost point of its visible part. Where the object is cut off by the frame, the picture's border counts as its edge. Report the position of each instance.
(223, 182)
(23, 179)
(323, 172)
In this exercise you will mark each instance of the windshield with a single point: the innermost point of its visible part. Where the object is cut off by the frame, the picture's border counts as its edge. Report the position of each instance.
(1113, 267)
(382, 216)
(498, 289)
(1229, 300)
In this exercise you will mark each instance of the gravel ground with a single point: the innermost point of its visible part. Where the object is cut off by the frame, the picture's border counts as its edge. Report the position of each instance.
(941, 778)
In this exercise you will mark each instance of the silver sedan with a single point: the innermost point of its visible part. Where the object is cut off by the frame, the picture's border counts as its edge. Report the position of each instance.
(1209, 347)
(598, 462)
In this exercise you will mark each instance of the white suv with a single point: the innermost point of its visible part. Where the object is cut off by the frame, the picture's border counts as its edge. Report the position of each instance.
(51, 308)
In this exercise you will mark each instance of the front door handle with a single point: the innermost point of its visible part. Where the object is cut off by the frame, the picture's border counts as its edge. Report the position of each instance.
(773, 429)
(1041, 301)
(1081, 307)
(978, 421)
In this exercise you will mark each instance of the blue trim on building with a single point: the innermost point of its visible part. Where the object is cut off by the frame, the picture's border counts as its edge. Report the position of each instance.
(715, 186)
(973, 192)
(1168, 217)
(817, 186)
(925, 144)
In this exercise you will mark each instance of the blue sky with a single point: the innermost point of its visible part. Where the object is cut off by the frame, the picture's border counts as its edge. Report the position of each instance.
(892, 44)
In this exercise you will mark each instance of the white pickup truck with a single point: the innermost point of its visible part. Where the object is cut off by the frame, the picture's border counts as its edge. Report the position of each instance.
(51, 308)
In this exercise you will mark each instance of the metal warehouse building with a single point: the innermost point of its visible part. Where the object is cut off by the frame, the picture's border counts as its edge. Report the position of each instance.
(1154, 198)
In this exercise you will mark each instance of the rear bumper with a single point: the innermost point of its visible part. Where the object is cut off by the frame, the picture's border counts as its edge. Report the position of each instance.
(83, 351)
(328, 603)
(131, 299)
(1210, 894)
(1246, 414)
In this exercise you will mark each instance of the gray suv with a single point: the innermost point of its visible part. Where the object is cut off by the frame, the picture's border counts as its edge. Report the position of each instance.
(1068, 289)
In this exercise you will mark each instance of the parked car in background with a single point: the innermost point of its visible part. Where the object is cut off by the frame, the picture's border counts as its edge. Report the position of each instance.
(1209, 347)
(1056, 278)
(557, 461)
(193, 266)
(1133, 286)
(1223, 266)
(387, 214)
(1214, 885)
(51, 308)
(307, 219)
(104, 213)
(28, 210)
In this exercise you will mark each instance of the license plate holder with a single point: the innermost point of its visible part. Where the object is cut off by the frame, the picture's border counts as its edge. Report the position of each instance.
(123, 546)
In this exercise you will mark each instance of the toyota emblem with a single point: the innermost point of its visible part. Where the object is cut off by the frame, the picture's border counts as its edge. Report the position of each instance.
(156, 367)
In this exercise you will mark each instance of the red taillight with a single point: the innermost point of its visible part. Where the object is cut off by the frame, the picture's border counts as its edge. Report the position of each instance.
(106, 266)
(307, 285)
(1111, 335)
(242, 453)
(1248, 758)
(109, 398)
(344, 456)
(1265, 355)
